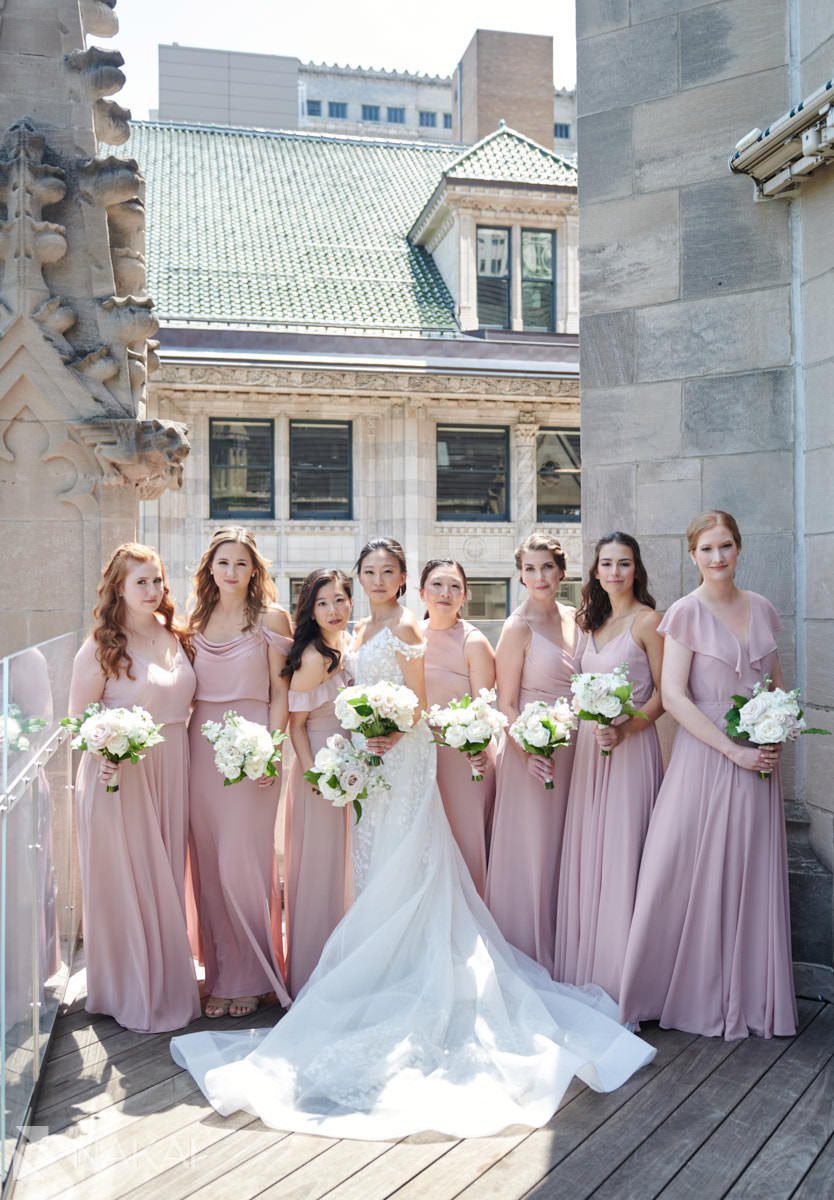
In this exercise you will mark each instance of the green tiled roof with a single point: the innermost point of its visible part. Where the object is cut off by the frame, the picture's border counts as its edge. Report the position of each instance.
(507, 156)
(250, 226)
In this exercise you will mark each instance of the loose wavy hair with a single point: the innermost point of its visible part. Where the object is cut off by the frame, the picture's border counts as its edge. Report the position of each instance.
(390, 546)
(595, 605)
(108, 631)
(307, 631)
(259, 595)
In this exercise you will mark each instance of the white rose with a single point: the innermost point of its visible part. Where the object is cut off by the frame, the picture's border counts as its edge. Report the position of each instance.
(537, 734)
(769, 732)
(96, 733)
(350, 718)
(479, 731)
(118, 745)
(456, 736)
(753, 710)
(609, 706)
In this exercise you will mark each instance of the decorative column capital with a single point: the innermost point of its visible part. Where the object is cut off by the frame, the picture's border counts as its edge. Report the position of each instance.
(145, 455)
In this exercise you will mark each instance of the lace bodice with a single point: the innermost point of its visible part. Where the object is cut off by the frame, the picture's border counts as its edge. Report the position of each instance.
(376, 659)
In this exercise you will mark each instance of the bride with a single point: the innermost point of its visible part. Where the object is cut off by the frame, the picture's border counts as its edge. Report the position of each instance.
(419, 1015)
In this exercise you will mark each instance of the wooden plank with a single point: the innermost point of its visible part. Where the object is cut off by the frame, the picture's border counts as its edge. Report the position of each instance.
(524, 1167)
(464, 1164)
(714, 1168)
(84, 1159)
(82, 1132)
(213, 1163)
(390, 1171)
(108, 1169)
(818, 1184)
(321, 1175)
(780, 1165)
(658, 1159)
(269, 1168)
(582, 1171)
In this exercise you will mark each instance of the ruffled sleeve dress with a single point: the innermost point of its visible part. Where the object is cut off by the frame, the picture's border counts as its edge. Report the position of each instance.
(710, 946)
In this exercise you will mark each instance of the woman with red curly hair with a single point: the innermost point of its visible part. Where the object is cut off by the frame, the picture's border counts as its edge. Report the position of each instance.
(132, 843)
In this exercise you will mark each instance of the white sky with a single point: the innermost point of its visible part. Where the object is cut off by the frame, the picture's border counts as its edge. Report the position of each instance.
(429, 36)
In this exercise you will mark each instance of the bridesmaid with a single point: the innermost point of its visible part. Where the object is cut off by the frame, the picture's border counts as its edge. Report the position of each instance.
(315, 840)
(710, 947)
(240, 639)
(610, 799)
(536, 656)
(459, 659)
(132, 843)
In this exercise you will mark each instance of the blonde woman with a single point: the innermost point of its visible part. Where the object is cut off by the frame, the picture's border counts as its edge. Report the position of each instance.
(240, 639)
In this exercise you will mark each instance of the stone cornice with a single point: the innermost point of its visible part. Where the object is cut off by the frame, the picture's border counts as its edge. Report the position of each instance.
(175, 379)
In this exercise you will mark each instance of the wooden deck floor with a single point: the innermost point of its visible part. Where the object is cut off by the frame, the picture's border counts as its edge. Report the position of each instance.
(706, 1119)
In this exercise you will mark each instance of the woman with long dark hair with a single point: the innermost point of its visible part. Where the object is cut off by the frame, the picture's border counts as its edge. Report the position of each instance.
(459, 660)
(132, 843)
(611, 797)
(315, 836)
(240, 639)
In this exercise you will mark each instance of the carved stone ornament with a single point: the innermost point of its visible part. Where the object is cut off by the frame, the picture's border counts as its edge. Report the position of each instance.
(145, 455)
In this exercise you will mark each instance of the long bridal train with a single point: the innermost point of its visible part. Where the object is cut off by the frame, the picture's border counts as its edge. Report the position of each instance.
(419, 1015)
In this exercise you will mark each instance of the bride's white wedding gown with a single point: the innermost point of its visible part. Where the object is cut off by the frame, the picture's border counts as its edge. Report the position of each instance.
(419, 1015)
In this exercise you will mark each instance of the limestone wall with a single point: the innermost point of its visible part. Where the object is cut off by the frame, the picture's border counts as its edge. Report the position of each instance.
(706, 351)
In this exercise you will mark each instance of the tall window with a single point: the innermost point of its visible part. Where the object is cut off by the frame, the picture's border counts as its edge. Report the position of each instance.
(493, 278)
(321, 474)
(241, 470)
(447, 120)
(488, 599)
(428, 120)
(370, 112)
(472, 469)
(538, 283)
(337, 109)
(396, 116)
(561, 130)
(314, 108)
(558, 475)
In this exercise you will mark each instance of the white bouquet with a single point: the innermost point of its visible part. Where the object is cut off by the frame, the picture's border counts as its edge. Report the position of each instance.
(468, 724)
(375, 711)
(243, 749)
(542, 728)
(15, 728)
(604, 697)
(344, 774)
(117, 734)
(770, 717)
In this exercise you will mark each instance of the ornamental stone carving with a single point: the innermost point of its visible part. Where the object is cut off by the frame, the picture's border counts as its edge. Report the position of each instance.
(145, 455)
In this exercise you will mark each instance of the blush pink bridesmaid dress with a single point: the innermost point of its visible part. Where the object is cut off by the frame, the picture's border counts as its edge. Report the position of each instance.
(131, 847)
(523, 874)
(710, 946)
(609, 805)
(468, 805)
(316, 844)
(232, 829)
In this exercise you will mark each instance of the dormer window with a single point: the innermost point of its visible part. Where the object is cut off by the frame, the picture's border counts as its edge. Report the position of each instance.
(493, 278)
(538, 281)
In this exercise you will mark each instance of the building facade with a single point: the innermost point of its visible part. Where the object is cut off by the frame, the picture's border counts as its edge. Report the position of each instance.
(222, 87)
(707, 306)
(365, 337)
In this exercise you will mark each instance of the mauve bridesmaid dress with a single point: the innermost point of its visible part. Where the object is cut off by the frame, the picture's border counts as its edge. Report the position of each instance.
(131, 847)
(316, 844)
(609, 805)
(523, 874)
(710, 945)
(232, 829)
(468, 805)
